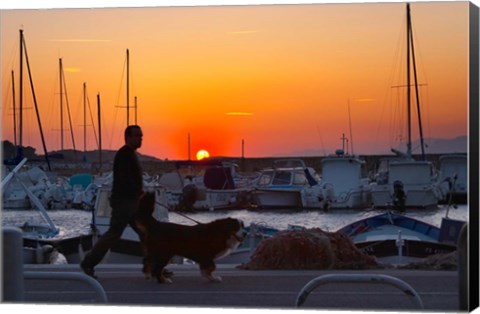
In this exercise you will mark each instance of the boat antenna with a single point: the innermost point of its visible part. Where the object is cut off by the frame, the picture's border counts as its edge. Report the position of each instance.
(344, 139)
(136, 110)
(243, 149)
(188, 145)
(321, 141)
(350, 126)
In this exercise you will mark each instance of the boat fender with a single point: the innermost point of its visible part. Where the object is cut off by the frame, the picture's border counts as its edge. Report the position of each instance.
(81, 252)
(57, 258)
(303, 198)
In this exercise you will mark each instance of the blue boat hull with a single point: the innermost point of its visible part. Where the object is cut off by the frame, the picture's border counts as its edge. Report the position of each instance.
(379, 236)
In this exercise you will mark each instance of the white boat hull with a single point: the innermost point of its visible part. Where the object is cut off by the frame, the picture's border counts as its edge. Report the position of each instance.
(415, 178)
(278, 198)
(415, 198)
(308, 198)
(217, 199)
(353, 199)
(344, 182)
(17, 199)
(208, 199)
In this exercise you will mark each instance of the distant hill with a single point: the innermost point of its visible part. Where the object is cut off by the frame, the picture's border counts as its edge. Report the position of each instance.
(433, 146)
(443, 146)
(91, 156)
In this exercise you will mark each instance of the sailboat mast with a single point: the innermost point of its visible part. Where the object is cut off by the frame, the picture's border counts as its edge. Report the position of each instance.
(417, 98)
(99, 133)
(84, 117)
(36, 106)
(20, 108)
(411, 47)
(409, 143)
(64, 86)
(60, 71)
(128, 87)
(14, 111)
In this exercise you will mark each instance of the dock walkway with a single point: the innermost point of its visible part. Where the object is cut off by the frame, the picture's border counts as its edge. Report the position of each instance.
(124, 284)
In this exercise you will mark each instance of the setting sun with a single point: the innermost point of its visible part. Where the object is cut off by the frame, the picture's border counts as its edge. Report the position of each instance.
(202, 154)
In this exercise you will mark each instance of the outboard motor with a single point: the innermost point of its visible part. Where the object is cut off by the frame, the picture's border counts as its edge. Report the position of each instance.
(399, 196)
(188, 198)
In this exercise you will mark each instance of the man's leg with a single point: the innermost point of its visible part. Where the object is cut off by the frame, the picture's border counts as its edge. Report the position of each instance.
(121, 216)
(101, 247)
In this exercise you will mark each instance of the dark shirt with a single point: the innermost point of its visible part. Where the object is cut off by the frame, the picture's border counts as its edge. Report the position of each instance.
(127, 175)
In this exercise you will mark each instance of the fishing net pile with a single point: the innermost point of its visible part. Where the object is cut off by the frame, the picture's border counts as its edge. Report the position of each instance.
(448, 261)
(309, 249)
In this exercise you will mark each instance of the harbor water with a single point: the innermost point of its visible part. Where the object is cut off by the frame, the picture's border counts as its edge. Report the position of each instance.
(73, 222)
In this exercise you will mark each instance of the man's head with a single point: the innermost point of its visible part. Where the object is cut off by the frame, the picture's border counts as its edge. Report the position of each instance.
(133, 136)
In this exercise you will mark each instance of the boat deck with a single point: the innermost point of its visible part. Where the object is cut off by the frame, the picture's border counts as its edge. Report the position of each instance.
(391, 232)
(124, 284)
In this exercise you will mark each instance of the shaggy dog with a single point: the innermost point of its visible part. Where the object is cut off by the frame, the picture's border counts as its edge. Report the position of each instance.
(201, 243)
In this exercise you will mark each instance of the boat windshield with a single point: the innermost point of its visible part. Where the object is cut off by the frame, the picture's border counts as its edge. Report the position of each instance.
(265, 178)
(299, 178)
(282, 178)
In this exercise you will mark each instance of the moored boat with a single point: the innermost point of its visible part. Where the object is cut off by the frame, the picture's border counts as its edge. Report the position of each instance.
(453, 178)
(204, 185)
(406, 184)
(400, 239)
(345, 182)
(289, 184)
(41, 244)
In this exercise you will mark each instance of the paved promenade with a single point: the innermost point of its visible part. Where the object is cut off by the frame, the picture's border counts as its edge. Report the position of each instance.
(124, 284)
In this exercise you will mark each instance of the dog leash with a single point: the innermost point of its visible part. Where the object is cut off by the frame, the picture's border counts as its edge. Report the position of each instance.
(183, 215)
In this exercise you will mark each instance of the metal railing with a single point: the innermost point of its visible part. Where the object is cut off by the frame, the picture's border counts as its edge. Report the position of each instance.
(14, 275)
(358, 278)
(102, 296)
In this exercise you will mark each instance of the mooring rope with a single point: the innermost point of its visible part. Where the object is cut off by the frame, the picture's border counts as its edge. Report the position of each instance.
(183, 215)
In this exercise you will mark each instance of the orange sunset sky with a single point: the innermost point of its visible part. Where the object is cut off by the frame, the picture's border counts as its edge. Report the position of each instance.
(286, 79)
